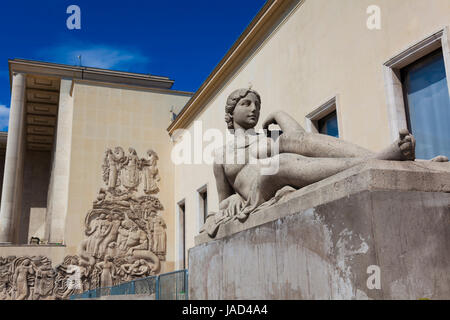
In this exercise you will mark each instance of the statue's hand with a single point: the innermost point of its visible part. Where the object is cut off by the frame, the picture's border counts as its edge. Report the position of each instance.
(224, 204)
(269, 120)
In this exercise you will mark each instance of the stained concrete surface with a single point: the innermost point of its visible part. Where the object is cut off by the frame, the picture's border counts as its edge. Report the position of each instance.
(324, 251)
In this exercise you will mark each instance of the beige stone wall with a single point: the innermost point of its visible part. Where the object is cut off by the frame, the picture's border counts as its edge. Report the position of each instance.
(321, 50)
(60, 172)
(106, 117)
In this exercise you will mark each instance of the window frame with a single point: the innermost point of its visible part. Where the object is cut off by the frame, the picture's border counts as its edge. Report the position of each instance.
(201, 208)
(324, 110)
(395, 95)
(181, 233)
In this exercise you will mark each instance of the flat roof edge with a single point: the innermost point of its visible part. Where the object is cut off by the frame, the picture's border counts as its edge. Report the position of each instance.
(88, 73)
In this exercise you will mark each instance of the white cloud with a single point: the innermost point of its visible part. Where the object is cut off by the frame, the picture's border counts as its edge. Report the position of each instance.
(93, 55)
(4, 117)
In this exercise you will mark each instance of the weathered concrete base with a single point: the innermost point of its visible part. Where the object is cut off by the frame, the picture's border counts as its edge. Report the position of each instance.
(324, 251)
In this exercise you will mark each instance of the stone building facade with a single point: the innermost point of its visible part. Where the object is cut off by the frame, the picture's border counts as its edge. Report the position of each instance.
(319, 58)
(82, 176)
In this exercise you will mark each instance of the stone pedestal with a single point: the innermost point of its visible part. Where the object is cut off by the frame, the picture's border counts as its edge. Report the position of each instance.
(326, 241)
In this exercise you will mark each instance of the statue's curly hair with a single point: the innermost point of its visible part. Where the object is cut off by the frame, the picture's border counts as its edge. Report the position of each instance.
(233, 100)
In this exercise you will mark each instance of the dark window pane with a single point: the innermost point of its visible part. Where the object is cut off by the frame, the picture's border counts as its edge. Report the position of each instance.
(204, 196)
(329, 125)
(428, 105)
(182, 210)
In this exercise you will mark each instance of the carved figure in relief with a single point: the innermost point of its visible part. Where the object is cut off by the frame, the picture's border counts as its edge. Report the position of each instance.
(160, 237)
(122, 236)
(137, 269)
(112, 249)
(21, 279)
(100, 227)
(150, 172)
(130, 174)
(137, 240)
(149, 215)
(112, 164)
(108, 271)
(115, 221)
(110, 169)
(44, 280)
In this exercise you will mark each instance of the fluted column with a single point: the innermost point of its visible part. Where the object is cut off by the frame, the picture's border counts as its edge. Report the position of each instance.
(13, 159)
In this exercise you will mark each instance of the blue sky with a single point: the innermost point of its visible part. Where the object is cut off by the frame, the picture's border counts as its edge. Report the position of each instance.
(183, 40)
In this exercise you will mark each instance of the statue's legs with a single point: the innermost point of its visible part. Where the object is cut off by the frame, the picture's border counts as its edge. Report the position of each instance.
(320, 146)
(317, 145)
(299, 171)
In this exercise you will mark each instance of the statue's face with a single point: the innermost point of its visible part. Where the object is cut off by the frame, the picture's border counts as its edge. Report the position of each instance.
(246, 112)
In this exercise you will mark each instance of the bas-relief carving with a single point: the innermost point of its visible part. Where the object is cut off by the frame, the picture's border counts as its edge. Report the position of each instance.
(24, 278)
(302, 159)
(125, 237)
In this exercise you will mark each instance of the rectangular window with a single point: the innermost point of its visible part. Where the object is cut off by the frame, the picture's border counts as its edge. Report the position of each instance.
(324, 119)
(182, 233)
(202, 204)
(427, 105)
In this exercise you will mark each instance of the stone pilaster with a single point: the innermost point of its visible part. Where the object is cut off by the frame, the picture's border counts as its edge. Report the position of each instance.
(59, 181)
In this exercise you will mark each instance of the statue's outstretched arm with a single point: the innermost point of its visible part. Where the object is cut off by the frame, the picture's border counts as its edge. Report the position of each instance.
(285, 121)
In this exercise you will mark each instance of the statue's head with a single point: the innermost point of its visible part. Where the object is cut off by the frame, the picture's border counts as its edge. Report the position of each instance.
(112, 245)
(242, 109)
(132, 151)
(126, 224)
(152, 154)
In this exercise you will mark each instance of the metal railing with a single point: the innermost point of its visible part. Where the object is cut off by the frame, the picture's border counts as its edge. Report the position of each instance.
(166, 286)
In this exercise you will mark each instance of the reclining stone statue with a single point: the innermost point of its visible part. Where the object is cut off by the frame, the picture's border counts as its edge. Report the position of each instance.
(302, 159)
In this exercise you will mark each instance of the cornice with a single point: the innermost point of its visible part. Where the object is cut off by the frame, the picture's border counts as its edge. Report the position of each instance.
(87, 73)
(130, 87)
